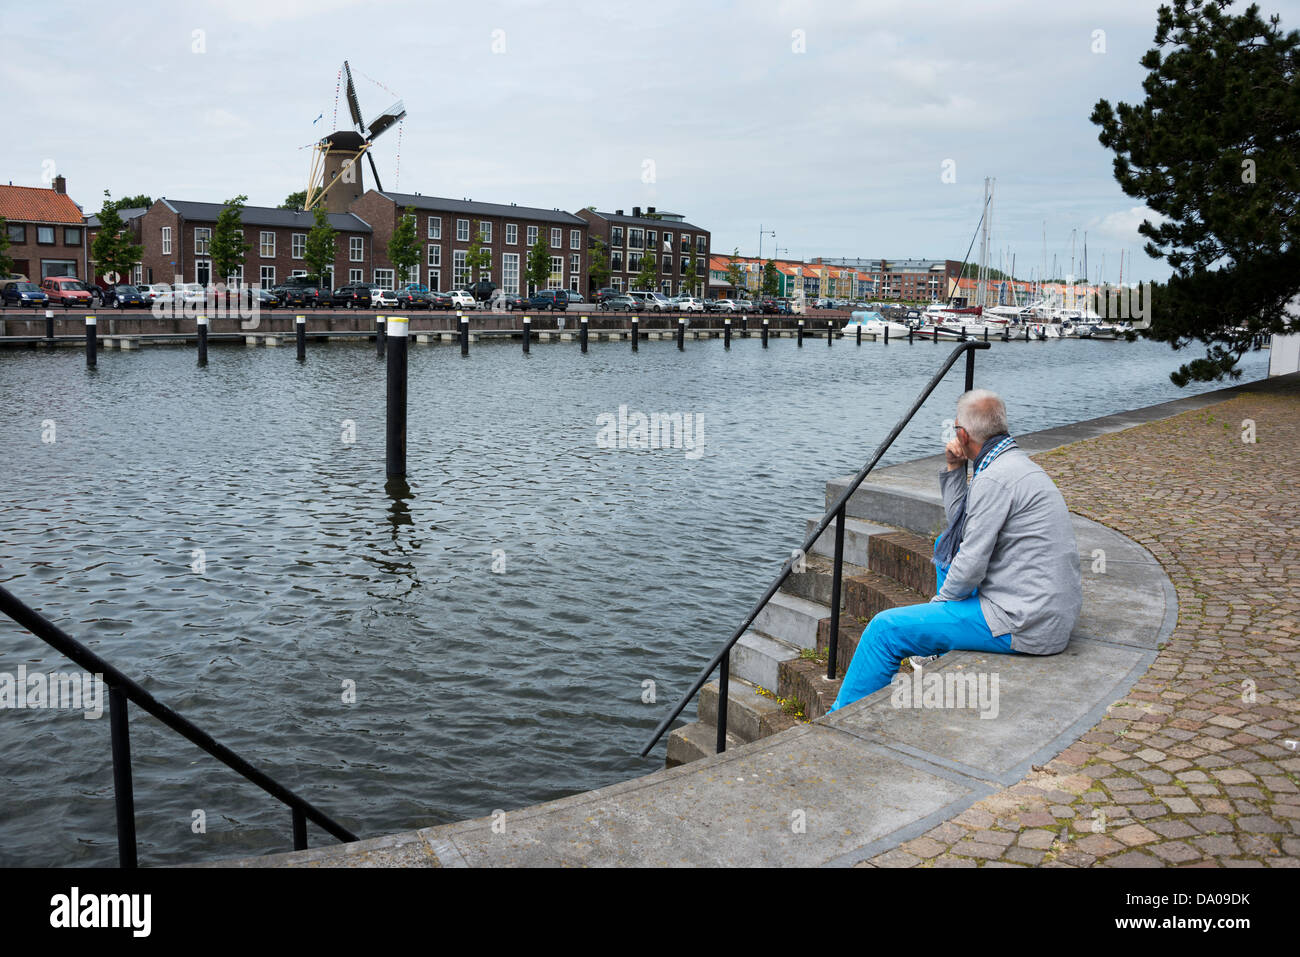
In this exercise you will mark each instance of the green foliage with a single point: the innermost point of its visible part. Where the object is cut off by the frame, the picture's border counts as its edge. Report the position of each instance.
(320, 247)
(771, 279)
(294, 201)
(539, 263)
(689, 278)
(140, 201)
(227, 247)
(112, 249)
(735, 275)
(478, 257)
(403, 252)
(598, 264)
(648, 278)
(1214, 150)
(6, 263)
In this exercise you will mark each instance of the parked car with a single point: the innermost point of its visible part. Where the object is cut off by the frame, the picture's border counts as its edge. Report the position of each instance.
(606, 292)
(384, 298)
(267, 299)
(24, 294)
(355, 295)
(482, 290)
(576, 296)
(296, 295)
(127, 297)
(650, 301)
(618, 303)
(513, 301)
(412, 297)
(152, 292)
(689, 304)
(725, 305)
(460, 299)
(550, 300)
(439, 300)
(65, 291)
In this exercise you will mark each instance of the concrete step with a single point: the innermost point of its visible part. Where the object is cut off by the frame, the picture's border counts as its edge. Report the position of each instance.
(814, 582)
(857, 536)
(693, 741)
(804, 679)
(919, 512)
(906, 558)
(850, 634)
(750, 715)
(791, 619)
(872, 592)
(756, 658)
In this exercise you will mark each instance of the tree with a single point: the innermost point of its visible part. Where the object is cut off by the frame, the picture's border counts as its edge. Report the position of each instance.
(227, 247)
(648, 277)
(477, 257)
(598, 264)
(320, 246)
(112, 250)
(133, 202)
(403, 252)
(295, 200)
(539, 264)
(1214, 151)
(771, 279)
(6, 264)
(689, 278)
(735, 275)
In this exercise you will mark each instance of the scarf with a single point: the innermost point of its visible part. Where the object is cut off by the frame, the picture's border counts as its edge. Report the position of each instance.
(945, 550)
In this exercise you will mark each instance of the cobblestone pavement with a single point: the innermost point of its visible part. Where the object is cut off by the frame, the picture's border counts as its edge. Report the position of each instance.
(1198, 765)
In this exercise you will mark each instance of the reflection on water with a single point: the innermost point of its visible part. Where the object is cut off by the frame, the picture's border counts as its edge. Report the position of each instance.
(496, 617)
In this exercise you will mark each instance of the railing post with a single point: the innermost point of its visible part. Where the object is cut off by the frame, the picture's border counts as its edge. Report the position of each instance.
(636, 332)
(123, 796)
(582, 332)
(379, 337)
(970, 369)
(299, 829)
(832, 655)
(724, 680)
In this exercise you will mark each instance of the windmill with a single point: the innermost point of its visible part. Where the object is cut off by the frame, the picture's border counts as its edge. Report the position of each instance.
(335, 158)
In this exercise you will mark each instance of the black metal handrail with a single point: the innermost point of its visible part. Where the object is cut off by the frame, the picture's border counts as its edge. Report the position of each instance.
(836, 513)
(122, 689)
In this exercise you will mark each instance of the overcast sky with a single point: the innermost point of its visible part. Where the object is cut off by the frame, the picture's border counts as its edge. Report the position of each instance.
(828, 123)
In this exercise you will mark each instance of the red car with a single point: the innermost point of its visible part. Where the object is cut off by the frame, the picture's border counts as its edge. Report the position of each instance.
(66, 290)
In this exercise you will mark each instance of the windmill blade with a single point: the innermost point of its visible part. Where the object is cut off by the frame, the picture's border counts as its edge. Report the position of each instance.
(386, 119)
(353, 105)
(374, 169)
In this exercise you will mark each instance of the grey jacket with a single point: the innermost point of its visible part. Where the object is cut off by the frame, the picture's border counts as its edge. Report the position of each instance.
(1019, 550)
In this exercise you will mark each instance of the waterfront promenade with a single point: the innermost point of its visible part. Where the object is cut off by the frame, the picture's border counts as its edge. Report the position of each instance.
(1115, 753)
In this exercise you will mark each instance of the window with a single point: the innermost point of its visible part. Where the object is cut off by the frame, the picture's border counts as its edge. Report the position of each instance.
(668, 242)
(297, 273)
(532, 236)
(236, 278)
(203, 271)
(575, 270)
(384, 278)
(557, 237)
(413, 274)
(138, 276)
(167, 240)
(667, 287)
(266, 244)
(686, 242)
(556, 278)
(71, 236)
(298, 245)
(634, 238)
(575, 239)
(459, 271)
(462, 230)
(699, 267)
(435, 279)
(435, 254)
(512, 234)
(573, 281)
(650, 239)
(617, 283)
(356, 248)
(58, 267)
(202, 240)
(45, 235)
(616, 261)
(18, 233)
(686, 260)
(616, 236)
(355, 275)
(510, 272)
(435, 227)
(633, 262)
(701, 244)
(484, 232)
(268, 277)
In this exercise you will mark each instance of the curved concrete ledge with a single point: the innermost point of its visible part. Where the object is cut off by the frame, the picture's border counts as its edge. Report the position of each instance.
(853, 784)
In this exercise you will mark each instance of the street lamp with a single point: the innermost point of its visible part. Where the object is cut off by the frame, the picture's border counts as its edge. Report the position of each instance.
(761, 233)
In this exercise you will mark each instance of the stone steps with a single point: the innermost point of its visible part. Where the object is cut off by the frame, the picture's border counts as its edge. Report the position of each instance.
(693, 741)
(750, 715)
(871, 592)
(857, 536)
(791, 619)
(814, 582)
(906, 558)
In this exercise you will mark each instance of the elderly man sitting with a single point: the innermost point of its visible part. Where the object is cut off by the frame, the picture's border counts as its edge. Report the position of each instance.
(1007, 565)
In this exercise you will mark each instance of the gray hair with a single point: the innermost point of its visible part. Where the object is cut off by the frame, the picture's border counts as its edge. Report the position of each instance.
(982, 414)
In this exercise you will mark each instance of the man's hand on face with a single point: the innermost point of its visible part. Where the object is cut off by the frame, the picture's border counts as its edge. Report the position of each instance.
(955, 455)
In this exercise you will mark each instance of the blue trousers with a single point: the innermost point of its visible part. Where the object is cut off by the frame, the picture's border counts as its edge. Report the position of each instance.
(927, 629)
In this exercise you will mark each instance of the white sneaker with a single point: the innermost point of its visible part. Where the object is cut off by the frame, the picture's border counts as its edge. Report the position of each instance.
(918, 662)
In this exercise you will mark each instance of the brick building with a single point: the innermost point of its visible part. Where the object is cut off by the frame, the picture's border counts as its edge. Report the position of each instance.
(444, 228)
(912, 280)
(131, 221)
(665, 236)
(46, 230)
(176, 234)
